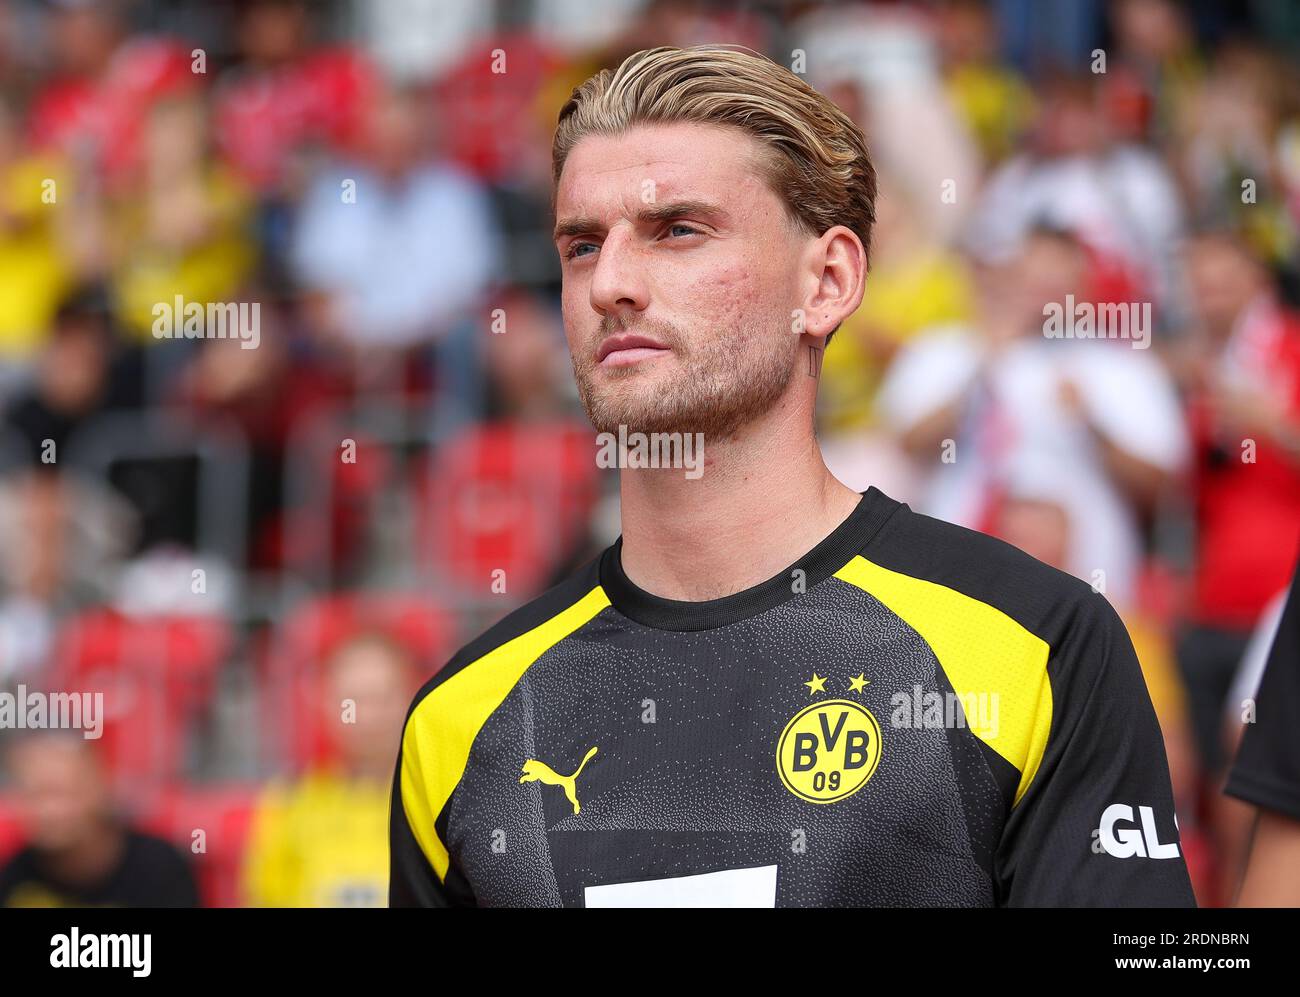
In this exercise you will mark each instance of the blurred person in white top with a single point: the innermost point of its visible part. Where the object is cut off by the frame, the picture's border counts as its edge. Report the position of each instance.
(1076, 174)
(979, 407)
(394, 250)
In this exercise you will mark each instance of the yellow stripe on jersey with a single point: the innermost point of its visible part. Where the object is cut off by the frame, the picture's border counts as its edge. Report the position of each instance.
(436, 743)
(982, 650)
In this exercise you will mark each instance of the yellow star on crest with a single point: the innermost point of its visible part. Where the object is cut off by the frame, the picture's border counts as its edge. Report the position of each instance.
(859, 683)
(818, 684)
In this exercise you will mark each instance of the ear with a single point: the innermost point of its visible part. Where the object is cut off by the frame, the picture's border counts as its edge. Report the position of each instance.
(835, 268)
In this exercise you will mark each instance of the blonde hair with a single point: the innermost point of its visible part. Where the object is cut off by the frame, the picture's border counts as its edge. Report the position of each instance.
(818, 163)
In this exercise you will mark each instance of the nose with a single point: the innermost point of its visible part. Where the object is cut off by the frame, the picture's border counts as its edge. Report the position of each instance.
(619, 284)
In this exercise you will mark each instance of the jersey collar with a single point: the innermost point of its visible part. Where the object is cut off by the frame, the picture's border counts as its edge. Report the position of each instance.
(818, 564)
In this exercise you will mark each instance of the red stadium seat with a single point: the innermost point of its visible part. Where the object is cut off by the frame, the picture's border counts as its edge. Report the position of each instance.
(1202, 866)
(486, 113)
(507, 497)
(157, 676)
(315, 536)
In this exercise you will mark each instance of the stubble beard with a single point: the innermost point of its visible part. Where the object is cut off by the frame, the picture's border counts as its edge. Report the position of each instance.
(721, 384)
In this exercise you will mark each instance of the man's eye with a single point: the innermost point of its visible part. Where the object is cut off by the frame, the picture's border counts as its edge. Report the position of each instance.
(576, 249)
(680, 229)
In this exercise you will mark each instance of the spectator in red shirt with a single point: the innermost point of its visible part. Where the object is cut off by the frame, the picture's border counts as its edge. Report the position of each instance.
(288, 94)
(93, 108)
(1244, 409)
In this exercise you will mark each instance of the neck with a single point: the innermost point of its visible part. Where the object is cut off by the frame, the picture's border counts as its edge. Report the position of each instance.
(764, 500)
(374, 770)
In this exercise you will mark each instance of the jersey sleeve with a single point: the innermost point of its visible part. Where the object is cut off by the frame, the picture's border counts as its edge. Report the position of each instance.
(1096, 826)
(413, 880)
(1267, 770)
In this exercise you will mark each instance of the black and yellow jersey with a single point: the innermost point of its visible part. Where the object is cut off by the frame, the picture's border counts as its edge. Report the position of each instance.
(912, 714)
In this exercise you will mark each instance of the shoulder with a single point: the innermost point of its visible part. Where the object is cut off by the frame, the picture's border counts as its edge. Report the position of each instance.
(18, 865)
(1000, 622)
(1039, 598)
(151, 851)
(449, 182)
(16, 870)
(516, 640)
(935, 364)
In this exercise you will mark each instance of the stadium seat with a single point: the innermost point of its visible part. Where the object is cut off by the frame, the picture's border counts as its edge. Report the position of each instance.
(506, 497)
(157, 676)
(487, 111)
(316, 537)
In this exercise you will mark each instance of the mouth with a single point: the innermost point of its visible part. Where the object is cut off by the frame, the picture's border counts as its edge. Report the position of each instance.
(628, 348)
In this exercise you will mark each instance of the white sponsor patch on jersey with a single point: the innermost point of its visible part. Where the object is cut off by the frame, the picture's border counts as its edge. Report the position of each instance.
(730, 888)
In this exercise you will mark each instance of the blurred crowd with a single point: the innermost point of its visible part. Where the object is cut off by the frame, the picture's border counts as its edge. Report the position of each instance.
(258, 554)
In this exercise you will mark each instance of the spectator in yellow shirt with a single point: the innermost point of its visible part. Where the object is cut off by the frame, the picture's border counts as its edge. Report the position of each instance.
(187, 231)
(992, 99)
(915, 283)
(33, 272)
(322, 839)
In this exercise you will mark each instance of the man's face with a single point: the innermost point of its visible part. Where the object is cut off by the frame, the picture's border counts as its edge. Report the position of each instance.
(680, 274)
(1223, 282)
(374, 677)
(1046, 271)
(60, 792)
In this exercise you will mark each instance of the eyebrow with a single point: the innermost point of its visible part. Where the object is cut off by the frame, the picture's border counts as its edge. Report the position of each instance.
(651, 214)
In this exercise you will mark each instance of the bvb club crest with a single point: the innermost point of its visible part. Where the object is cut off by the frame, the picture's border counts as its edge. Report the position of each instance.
(829, 749)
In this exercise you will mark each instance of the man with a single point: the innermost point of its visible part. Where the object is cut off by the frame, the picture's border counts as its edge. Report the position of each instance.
(319, 840)
(78, 852)
(771, 691)
(1241, 372)
(1267, 771)
(1095, 417)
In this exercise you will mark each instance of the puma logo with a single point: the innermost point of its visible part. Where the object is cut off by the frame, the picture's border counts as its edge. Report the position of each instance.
(534, 771)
